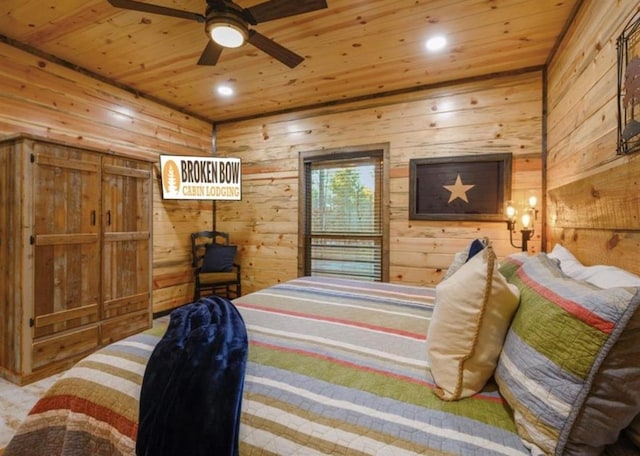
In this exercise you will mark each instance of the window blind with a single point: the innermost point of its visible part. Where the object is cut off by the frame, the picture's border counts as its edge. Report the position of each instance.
(344, 217)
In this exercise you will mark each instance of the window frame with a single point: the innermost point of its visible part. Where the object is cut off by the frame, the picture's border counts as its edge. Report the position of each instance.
(343, 153)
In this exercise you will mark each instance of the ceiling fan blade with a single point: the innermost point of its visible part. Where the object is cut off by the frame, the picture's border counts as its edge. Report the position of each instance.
(284, 55)
(156, 9)
(276, 9)
(211, 54)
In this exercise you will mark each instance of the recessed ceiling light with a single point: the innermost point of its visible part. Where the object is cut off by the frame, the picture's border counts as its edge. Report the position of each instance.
(437, 43)
(122, 113)
(225, 90)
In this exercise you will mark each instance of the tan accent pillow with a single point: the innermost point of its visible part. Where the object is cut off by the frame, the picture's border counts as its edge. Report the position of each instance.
(471, 317)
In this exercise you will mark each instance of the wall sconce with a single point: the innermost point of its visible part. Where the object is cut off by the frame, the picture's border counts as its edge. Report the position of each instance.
(530, 214)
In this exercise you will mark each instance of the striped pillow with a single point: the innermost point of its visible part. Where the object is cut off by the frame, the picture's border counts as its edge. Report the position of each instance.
(570, 365)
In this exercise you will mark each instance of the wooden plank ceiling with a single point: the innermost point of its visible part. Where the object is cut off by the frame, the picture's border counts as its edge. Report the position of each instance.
(352, 49)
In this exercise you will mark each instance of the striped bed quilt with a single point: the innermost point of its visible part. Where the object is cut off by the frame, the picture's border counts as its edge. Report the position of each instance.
(335, 366)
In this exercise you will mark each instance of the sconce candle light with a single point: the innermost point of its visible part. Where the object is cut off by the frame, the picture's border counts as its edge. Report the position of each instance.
(530, 214)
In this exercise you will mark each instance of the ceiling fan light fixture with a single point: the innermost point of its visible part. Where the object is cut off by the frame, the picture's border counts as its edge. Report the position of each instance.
(227, 30)
(227, 36)
(226, 24)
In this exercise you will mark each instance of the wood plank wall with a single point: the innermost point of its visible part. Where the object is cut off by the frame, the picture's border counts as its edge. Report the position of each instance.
(501, 114)
(47, 99)
(594, 202)
(486, 116)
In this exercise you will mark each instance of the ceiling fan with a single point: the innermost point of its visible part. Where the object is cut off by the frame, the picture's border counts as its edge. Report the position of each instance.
(227, 24)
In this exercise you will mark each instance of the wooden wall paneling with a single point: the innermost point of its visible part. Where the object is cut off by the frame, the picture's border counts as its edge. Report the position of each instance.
(72, 106)
(593, 206)
(591, 247)
(609, 200)
(479, 117)
(598, 217)
(173, 223)
(582, 93)
(43, 98)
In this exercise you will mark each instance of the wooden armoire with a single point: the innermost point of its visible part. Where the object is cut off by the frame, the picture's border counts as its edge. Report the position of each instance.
(75, 253)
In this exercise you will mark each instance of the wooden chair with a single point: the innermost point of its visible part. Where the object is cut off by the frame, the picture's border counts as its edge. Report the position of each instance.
(214, 265)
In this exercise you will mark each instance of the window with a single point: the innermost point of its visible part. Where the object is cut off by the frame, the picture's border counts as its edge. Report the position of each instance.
(344, 213)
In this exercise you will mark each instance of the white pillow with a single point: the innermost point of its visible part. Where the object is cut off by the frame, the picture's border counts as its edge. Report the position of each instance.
(472, 314)
(601, 276)
(569, 264)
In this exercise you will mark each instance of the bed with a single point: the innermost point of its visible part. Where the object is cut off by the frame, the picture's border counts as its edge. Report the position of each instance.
(339, 366)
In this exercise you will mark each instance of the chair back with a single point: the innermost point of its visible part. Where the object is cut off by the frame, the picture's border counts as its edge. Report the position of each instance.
(216, 272)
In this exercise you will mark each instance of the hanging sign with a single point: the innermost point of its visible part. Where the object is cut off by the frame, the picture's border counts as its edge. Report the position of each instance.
(200, 178)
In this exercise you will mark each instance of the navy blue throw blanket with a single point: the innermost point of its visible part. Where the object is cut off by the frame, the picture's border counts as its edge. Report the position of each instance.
(192, 386)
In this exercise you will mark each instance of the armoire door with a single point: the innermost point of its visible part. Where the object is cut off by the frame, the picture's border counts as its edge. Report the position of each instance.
(126, 199)
(66, 246)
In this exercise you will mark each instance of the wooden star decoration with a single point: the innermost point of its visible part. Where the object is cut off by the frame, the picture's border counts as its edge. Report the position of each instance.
(458, 190)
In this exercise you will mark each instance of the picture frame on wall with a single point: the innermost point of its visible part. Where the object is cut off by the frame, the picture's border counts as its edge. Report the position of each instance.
(628, 44)
(467, 187)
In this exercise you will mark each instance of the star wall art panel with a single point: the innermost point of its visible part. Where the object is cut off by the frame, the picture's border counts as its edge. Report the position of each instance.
(469, 187)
